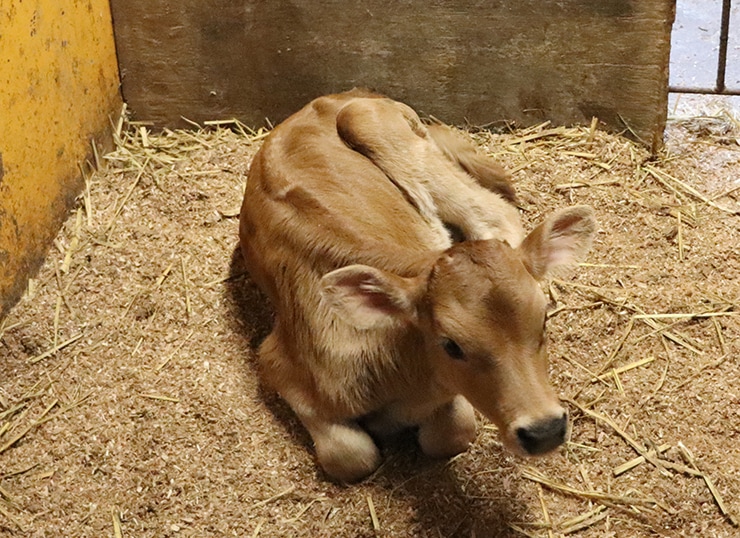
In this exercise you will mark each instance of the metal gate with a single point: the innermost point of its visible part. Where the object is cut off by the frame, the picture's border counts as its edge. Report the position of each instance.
(692, 13)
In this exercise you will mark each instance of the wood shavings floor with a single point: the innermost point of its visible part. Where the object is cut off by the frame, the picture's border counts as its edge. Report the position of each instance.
(129, 405)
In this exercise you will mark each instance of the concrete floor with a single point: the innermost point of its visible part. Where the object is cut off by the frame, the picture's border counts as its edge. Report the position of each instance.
(694, 58)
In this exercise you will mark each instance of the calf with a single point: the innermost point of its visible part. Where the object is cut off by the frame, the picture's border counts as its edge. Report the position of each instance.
(382, 322)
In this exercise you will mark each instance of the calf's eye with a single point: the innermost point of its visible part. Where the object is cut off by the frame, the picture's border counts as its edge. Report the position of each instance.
(452, 349)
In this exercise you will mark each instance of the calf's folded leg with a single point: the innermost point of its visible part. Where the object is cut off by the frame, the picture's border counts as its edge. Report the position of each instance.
(433, 179)
(344, 450)
(449, 430)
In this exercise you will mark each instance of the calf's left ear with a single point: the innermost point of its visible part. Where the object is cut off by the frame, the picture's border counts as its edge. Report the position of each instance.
(562, 239)
(367, 297)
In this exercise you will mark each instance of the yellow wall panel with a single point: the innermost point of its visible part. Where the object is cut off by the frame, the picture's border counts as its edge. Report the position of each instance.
(58, 89)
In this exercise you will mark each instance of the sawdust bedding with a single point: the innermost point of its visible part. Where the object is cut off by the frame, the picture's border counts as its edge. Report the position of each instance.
(129, 403)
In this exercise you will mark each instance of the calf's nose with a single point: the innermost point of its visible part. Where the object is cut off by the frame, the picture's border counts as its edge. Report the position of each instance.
(543, 436)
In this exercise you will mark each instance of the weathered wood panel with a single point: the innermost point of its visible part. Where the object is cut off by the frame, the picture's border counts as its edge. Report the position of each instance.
(59, 88)
(459, 60)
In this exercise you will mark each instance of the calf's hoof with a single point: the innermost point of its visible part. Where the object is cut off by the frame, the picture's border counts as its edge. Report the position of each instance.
(449, 431)
(347, 453)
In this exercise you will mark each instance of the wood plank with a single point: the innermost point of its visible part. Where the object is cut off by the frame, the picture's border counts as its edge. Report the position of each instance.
(480, 62)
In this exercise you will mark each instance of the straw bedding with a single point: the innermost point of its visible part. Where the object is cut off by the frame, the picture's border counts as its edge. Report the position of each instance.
(129, 403)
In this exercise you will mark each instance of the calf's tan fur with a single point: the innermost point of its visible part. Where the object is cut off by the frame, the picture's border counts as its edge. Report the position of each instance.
(382, 322)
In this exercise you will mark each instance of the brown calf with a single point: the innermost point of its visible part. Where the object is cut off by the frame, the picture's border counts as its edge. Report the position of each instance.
(382, 323)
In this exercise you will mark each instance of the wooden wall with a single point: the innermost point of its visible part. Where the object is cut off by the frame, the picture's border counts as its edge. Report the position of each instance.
(459, 60)
(58, 88)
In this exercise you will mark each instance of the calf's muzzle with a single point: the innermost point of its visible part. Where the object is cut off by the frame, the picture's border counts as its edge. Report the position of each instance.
(544, 435)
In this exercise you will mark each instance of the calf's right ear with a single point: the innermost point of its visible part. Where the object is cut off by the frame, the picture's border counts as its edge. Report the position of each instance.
(368, 298)
(562, 239)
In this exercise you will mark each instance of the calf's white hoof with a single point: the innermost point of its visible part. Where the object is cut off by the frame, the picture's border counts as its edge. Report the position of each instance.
(347, 454)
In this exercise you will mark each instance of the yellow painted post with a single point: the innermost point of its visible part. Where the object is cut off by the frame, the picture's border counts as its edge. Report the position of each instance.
(59, 88)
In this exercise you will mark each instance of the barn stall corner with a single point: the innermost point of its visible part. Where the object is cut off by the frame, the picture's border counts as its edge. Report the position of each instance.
(129, 401)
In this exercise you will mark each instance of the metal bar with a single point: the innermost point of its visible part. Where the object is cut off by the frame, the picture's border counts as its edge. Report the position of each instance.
(705, 91)
(724, 34)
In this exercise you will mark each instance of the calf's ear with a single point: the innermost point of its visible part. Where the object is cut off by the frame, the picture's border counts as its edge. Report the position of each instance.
(367, 297)
(561, 240)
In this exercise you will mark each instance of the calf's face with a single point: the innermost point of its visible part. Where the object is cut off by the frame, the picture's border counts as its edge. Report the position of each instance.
(487, 314)
(483, 314)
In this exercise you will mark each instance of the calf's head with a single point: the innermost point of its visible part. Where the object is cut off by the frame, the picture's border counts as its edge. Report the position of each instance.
(482, 312)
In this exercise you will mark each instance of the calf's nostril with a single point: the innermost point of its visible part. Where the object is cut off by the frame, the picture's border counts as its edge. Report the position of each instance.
(526, 439)
(543, 436)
